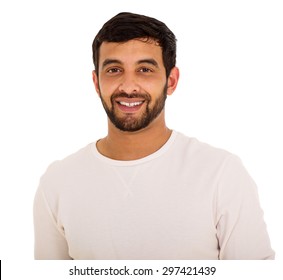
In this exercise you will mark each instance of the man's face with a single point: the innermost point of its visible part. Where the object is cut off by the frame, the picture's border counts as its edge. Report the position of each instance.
(131, 83)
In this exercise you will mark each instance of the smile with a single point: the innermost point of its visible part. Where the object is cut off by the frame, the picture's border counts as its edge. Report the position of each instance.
(130, 104)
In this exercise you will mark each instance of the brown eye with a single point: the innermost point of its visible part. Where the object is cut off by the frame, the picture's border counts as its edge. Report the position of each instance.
(114, 70)
(145, 70)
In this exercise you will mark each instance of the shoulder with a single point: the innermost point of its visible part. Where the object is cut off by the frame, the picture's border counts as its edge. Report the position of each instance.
(226, 168)
(200, 151)
(217, 166)
(60, 172)
(73, 160)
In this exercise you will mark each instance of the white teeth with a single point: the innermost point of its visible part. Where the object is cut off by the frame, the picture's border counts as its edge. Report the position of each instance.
(130, 104)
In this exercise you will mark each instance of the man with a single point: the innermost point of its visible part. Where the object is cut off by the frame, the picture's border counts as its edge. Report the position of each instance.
(145, 191)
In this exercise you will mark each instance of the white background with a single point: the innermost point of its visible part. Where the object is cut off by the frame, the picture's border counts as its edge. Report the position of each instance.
(229, 95)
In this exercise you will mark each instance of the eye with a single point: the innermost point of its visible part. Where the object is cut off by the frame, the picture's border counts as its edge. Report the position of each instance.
(144, 70)
(114, 70)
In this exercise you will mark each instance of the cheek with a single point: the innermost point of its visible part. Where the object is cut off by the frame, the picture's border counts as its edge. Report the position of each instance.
(151, 86)
(156, 89)
(107, 86)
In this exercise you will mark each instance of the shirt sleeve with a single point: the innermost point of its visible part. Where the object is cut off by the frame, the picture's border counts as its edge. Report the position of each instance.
(241, 229)
(50, 243)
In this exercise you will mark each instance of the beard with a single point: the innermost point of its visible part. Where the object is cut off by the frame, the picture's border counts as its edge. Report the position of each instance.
(132, 123)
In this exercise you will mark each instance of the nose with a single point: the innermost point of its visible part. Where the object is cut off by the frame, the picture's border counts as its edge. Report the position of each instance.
(129, 84)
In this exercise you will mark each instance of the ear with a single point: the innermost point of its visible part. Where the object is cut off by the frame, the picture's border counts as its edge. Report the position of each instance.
(172, 80)
(95, 81)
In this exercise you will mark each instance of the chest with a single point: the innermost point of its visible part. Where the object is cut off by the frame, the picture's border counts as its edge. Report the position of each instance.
(139, 214)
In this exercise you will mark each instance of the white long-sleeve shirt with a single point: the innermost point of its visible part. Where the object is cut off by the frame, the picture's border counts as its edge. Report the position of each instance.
(188, 200)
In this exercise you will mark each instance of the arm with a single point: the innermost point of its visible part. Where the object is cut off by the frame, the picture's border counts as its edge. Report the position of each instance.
(241, 229)
(50, 243)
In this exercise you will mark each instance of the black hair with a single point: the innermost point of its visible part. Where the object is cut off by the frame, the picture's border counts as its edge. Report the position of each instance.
(127, 26)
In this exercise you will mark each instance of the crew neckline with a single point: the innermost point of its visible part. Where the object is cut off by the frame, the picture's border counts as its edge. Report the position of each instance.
(152, 156)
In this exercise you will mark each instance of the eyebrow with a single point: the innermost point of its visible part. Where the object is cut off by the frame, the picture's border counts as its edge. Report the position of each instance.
(149, 61)
(109, 61)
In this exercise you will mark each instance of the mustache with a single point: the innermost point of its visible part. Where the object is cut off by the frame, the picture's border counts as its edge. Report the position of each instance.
(144, 96)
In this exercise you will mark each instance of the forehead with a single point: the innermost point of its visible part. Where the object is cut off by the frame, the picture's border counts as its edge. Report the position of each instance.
(131, 50)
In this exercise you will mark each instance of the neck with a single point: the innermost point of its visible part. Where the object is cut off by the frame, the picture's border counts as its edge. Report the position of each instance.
(120, 145)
